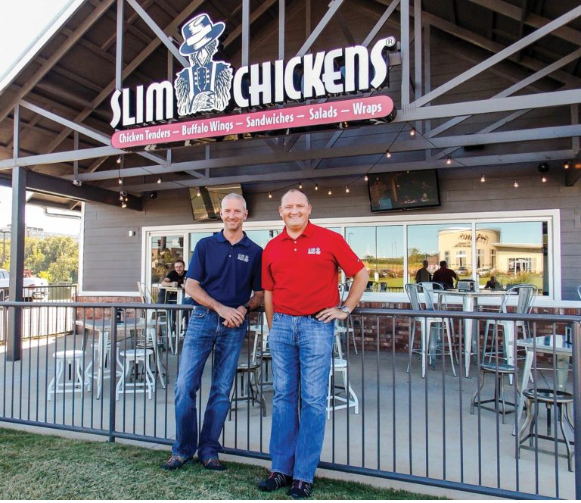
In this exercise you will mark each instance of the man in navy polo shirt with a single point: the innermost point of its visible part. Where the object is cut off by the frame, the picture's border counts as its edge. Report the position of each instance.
(222, 275)
(301, 300)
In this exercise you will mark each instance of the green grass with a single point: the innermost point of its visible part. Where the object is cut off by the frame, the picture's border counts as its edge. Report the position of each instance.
(48, 467)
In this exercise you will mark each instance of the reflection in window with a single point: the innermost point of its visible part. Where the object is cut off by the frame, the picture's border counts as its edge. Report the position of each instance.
(381, 250)
(195, 237)
(450, 242)
(262, 237)
(516, 253)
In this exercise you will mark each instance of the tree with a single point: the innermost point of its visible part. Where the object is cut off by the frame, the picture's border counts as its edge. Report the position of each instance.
(55, 258)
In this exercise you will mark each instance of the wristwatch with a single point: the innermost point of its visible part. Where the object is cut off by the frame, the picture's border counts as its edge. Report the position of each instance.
(345, 309)
(246, 306)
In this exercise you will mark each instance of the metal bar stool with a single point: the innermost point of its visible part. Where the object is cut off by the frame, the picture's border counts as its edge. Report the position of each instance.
(72, 380)
(252, 390)
(500, 370)
(562, 400)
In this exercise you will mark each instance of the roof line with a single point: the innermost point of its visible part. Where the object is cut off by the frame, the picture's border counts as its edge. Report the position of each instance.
(34, 47)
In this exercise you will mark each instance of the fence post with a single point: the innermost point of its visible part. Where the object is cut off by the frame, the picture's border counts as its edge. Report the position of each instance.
(576, 333)
(113, 373)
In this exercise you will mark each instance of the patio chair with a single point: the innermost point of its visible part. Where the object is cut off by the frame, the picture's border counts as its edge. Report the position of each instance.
(158, 314)
(427, 323)
(526, 295)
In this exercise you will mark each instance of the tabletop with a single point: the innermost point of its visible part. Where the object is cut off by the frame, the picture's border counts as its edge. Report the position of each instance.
(548, 343)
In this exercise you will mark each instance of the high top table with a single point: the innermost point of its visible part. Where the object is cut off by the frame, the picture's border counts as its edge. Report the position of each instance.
(469, 304)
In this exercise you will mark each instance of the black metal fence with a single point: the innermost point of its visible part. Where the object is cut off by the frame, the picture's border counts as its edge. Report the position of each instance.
(384, 419)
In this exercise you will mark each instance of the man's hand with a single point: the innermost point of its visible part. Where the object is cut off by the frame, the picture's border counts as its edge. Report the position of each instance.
(240, 309)
(233, 318)
(330, 314)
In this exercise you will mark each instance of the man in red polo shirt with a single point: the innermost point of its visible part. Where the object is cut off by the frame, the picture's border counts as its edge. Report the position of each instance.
(301, 300)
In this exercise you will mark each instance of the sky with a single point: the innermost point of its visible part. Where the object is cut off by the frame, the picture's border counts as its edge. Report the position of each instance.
(25, 27)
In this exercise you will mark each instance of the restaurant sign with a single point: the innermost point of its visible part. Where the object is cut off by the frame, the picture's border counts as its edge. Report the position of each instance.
(208, 86)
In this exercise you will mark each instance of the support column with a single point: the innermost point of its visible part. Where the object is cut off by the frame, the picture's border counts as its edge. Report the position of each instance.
(17, 233)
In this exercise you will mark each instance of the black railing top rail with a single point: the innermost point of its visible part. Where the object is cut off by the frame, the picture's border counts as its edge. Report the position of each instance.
(476, 315)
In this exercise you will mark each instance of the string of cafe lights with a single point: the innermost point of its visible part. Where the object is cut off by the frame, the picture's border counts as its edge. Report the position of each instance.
(413, 132)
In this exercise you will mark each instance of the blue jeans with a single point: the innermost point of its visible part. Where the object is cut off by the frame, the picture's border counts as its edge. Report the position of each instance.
(205, 331)
(301, 349)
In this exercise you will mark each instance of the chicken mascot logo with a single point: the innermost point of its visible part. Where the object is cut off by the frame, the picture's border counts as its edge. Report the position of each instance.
(204, 86)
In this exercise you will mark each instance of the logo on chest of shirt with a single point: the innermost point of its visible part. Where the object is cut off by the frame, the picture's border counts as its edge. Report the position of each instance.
(243, 258)
(314, 251)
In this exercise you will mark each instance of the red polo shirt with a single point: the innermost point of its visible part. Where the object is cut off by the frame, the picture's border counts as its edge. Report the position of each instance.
(302, 273)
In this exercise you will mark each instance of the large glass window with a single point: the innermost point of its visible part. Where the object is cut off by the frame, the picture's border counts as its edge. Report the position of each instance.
(434, 243)
(516, 252)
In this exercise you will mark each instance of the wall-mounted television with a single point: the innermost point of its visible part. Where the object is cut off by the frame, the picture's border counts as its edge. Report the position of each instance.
(403, 190)
(206, 201)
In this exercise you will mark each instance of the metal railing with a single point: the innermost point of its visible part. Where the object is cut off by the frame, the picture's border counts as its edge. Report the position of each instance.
(58, 292)
(384, 420)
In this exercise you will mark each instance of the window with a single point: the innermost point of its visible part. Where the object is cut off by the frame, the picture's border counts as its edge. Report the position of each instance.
(517, 253)
(514, 247)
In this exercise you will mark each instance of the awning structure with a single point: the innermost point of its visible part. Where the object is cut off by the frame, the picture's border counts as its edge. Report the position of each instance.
(55, 114)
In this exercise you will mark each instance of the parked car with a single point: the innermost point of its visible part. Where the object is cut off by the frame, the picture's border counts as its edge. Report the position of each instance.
(462, 270)
(34, 288)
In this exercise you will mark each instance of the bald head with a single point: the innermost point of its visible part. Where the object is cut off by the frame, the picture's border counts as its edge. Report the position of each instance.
(295, 193)
(233, 196)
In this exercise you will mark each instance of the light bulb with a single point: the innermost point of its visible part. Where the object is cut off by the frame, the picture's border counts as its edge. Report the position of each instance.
(120, 197)
(544, 179)
(123, 205)
(316, 186)
(566, 164)
(118, 161)
(301, 186)
(448, 160)
(482, 179)
(515, 184)
(270, 195)
(388, 154)
(347, 189)
(366, 178)
(412, 132)
(120, 181)
(198, 194)
(330, 192)
(159, 180)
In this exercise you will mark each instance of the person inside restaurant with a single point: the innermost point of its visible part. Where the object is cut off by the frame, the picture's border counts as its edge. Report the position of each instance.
(173, 279)
(492, 284)
(423, 275)
(445, 276)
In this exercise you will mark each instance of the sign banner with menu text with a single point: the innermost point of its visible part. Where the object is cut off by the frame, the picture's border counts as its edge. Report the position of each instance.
(302, 116)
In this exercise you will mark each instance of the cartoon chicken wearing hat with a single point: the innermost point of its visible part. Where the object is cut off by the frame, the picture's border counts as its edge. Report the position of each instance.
(204, 86)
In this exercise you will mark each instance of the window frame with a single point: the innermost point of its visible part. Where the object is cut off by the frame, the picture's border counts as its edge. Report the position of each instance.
(551, 216)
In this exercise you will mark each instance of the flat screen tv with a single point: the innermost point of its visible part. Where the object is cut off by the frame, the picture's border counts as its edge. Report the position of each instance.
(206, 201)
(403, 190)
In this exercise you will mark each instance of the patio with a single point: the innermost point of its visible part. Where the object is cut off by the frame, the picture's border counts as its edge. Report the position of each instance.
(406, 424)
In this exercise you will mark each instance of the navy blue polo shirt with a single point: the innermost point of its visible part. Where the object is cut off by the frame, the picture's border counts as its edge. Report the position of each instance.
(227, 273)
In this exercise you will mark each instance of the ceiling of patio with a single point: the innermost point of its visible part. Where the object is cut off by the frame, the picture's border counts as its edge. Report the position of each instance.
(73, 76)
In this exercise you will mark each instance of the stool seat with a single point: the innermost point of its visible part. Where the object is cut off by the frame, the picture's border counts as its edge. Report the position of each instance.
(247, 367)
(136, 353)
(548, 395)
(69, 353)
(501, 368)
